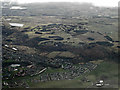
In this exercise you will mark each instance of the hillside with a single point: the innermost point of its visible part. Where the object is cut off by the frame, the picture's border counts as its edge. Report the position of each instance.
(58, 41)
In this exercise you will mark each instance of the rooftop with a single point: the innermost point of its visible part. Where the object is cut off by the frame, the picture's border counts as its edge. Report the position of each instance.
(17, 7)
(16, 24)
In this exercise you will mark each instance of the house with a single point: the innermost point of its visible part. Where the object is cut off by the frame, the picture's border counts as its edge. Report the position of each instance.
(14, 49)
(15, 65)
(18, 8)
(16, 25)
(6, 45)
(29, 66)
(100, 83)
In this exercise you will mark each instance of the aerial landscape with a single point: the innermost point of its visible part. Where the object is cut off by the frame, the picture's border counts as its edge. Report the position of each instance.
(59, 45)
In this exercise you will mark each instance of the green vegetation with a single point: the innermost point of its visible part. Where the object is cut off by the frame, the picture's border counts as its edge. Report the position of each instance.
(52, 70)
